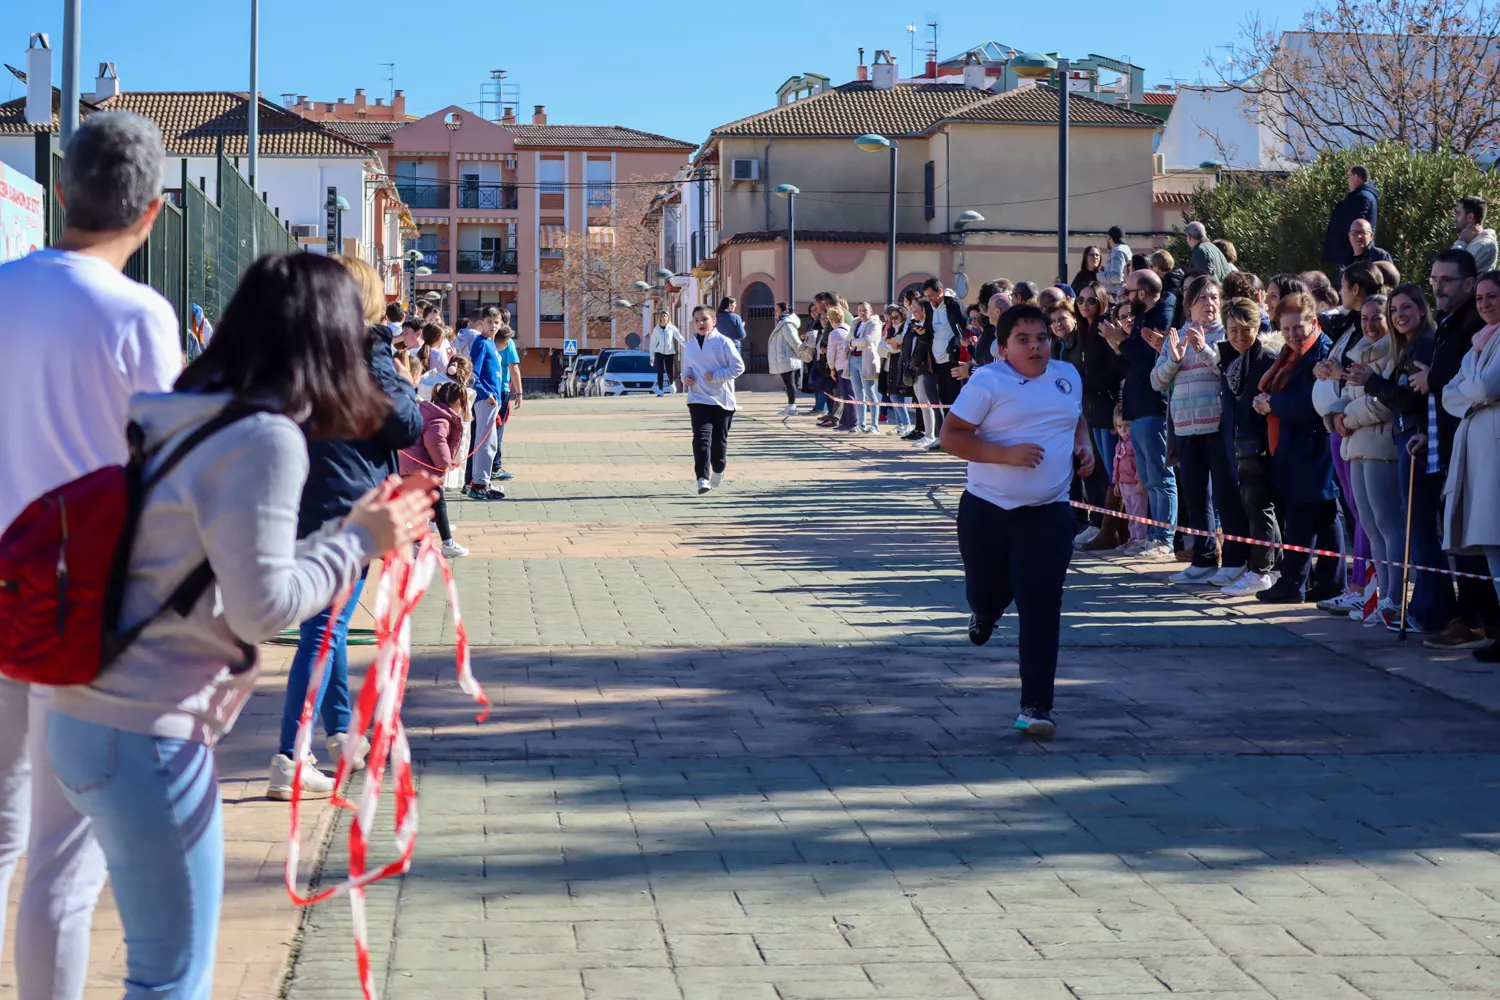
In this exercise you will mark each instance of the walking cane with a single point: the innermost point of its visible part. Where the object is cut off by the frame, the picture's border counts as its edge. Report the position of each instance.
(1411, 486)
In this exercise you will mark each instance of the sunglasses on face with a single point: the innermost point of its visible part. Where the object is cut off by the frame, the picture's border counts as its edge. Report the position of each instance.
(1088, 301)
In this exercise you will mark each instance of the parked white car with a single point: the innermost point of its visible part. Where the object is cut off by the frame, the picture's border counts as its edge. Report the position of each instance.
(624, 373)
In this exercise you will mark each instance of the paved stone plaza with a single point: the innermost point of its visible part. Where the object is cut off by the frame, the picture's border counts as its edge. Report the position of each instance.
(742, 749)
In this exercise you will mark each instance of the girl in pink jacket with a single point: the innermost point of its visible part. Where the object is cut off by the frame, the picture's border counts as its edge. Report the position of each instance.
(440, 449)
(1127, 481)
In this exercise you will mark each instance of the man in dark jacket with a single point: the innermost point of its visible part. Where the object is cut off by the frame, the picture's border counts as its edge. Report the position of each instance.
(1362, 248)
(1453, 279)
(1361, 202)
(1143, 407)
(947, 328)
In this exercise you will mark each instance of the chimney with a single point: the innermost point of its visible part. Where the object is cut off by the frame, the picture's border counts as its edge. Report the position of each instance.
(398, 104)
(931, 70)
(862, 73)
(107, 83)
(508, 116)
(302, 101)
(342, 100)
(39, 81)
(883, 70)
(359, 97)
(974, 74)
(539, 115)
(379, 102)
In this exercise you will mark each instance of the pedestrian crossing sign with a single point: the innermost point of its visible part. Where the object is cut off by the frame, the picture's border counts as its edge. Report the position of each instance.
(570, 347)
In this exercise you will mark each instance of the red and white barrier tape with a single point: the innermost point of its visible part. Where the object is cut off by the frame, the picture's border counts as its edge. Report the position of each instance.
(1282, 545)
(404, 579)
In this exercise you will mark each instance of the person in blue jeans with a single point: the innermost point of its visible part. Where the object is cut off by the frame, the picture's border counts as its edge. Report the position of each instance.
(510, 389)
(339, 473)
(1144, 407)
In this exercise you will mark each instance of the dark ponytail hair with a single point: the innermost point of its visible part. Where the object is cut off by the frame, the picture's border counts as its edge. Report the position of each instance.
(294, 335)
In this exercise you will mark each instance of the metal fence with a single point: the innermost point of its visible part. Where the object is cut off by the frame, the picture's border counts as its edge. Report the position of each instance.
(198, 247)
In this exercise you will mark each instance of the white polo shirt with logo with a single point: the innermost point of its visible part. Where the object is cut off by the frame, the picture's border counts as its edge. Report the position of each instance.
(1010, 409)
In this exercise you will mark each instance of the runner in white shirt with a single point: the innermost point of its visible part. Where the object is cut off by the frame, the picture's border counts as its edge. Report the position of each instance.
(106, 337)
(711, 362)
(1019, 423)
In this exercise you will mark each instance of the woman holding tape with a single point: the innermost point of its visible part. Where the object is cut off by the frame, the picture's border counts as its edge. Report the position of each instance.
(1019, 423)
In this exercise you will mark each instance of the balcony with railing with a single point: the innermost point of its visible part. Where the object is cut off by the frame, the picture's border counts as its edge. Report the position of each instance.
(417, 194)
(676, 258)
(435, 259)
(487, 262)
(500, 196)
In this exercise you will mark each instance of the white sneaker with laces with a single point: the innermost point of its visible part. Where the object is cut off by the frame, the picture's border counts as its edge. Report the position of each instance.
(1157, 552)
(1226, 576)
(789, 411)
(1194, 574)
(1131, 548)
(1250, 583)
(921, 443)
(284, 772)
(716, 480)
(453, 550)
(1085, 536)
(933, 445)
(336, 750)
(1344, 603)
(704, 486)
(1385, 613)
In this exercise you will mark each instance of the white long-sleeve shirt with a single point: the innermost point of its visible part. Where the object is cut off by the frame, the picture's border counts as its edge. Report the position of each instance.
(712, 367)
(665, 339)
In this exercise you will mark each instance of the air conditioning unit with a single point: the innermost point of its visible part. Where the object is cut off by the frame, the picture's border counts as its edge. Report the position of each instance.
(305, 229)
(747, 169)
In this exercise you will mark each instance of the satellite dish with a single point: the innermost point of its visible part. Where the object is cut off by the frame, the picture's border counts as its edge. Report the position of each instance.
(633, 341)
(961, 284)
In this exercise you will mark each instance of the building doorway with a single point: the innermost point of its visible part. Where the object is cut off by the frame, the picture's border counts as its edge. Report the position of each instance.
(758, 310)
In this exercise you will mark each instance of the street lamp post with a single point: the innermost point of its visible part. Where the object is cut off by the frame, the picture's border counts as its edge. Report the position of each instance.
(67, 115)
(790, 193)
(252, 122)
(872, 143)
(962, 224)
(1062, 171)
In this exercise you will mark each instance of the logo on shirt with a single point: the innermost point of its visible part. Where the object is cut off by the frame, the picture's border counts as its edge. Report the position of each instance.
(1064, 386)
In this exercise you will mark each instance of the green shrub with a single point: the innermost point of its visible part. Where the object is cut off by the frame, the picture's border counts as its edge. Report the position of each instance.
(1277, 224)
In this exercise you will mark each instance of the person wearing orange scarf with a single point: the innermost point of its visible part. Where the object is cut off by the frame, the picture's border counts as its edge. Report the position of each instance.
(1301, 462)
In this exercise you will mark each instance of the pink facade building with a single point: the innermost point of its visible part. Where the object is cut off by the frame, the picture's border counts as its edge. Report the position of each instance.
(495, 203)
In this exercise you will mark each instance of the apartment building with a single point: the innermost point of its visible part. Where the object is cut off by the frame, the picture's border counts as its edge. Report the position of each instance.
(497, 203)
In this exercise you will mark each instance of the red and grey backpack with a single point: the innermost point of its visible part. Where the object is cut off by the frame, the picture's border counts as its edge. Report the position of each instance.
(64, 563)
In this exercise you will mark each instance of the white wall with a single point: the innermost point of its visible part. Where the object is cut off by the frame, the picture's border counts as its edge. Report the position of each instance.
(19, 153)
(296, 185)
(1201, 115)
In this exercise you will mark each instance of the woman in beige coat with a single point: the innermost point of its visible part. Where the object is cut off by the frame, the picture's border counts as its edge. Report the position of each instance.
(1471, 495)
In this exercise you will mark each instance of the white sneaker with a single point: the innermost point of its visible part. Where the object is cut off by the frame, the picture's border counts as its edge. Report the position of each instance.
(716, 480)
(1085, 536)
(1195, 574)
(1157, 552)
(933, 445)
(336, 750)
(1250, 583)
(922, 443)
(284, 770)
(453, 550)
(898, 430)
(1226, 576)
(1344, 603)
(1385, 613)
(789, 411)
(704, 486)
(1131, 548)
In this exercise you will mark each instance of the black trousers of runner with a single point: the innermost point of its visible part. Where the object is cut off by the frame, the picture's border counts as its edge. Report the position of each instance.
(710, 438)
(789, 383)
(666, 369)
(1019, 556)
(1260, 514)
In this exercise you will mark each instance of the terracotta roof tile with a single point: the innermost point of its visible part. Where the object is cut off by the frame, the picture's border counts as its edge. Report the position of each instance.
(1037, 105)
(1172, 198)
(366, 132)
(193, 121)
(601, 136)
(13, 115)
(913, 108)
(1158, 97)
(855, 109)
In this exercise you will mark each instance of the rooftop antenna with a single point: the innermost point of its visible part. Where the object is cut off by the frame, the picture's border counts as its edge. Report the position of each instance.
(934, 26)
(390, 77)
(911, 36)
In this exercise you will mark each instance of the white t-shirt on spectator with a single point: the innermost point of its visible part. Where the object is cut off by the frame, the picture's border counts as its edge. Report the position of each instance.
(94, 338)
(1011, 409)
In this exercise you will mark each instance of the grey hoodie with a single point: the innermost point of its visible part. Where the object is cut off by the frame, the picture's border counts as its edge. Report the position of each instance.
(233, 500)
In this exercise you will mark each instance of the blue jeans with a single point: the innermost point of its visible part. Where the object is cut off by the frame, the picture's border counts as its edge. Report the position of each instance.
(500, 433)
(1105, 440)
(900, 415)
(332, 702)
(1432, 604)
(1149, 436)
(867, 410)
(154, 807)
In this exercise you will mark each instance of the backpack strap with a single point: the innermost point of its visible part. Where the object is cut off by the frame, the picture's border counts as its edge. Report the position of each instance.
(187, 593)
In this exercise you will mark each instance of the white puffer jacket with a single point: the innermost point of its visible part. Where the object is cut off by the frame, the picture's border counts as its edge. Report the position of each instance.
(866, 339)
(781, 348)
(1366, 416)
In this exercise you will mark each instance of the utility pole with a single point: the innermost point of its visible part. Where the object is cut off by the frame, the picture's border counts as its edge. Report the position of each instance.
(1062, 171)
(71, 92)
(252, 144)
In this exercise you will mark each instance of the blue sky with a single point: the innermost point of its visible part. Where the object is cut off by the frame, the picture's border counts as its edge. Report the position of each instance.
(680, 72)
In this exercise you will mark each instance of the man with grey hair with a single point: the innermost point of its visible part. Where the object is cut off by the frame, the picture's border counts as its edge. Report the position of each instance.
(1205, 257)
(103, 337)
